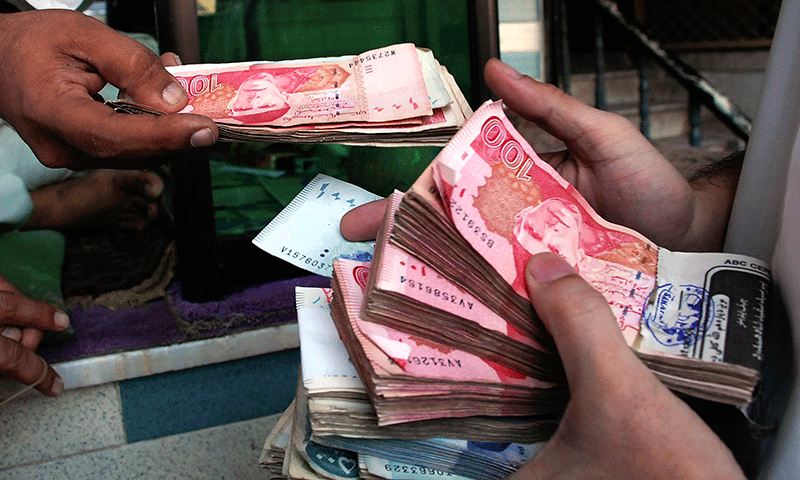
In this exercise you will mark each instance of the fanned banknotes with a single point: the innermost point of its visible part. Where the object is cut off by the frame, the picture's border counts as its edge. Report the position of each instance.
(396, 95)
(415, 393)
(487, 203)
(331, 431)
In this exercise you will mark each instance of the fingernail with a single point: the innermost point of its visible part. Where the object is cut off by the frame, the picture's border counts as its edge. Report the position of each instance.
(202, 138)
(58, 386)
(178, 60)
(153, 190)
(12, 333)
(547, 267)
(61, 320)
(509, 71)
(173, 94)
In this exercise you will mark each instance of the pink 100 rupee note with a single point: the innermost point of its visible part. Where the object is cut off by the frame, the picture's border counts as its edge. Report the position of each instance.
(508, 205)
(377, 86)
(406, 275)
(395, 352)
(405, 293)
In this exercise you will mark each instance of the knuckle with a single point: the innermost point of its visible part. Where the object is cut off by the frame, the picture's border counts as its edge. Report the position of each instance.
(10, 356)
(143, 64)
(9, 304)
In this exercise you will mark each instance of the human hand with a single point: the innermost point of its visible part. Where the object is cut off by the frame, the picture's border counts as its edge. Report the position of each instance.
(620, 422)
(22, 321)
(54, 64)
(617, 170)
(363, 222)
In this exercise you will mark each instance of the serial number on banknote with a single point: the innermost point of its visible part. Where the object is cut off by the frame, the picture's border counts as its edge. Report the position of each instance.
(437, 361)
(414, 470)
(447, 297)
(470, 223)
(302, 258)
(373, 56)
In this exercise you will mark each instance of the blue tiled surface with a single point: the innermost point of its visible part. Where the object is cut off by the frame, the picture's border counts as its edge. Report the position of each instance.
(208, 396)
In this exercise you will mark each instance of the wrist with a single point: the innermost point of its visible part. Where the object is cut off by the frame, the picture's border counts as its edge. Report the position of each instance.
(714, 190)
(713, 199)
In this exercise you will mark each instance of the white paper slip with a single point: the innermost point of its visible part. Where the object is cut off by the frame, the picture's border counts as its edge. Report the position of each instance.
(324, 359)
(306, 232)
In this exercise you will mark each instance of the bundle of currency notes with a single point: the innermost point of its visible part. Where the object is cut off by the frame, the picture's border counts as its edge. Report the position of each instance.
(443, 347)
(487, 203)
(396, 95)
(332, 430)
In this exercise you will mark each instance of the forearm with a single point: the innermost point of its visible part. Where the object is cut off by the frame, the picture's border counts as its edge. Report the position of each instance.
(714, 189)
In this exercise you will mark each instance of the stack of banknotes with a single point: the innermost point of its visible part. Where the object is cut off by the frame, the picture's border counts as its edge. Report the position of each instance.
(487, 203)
(393, 96)
(447, 363)
(332, 430)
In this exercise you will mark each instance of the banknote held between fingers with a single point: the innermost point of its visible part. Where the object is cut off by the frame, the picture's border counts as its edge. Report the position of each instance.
(56, 62)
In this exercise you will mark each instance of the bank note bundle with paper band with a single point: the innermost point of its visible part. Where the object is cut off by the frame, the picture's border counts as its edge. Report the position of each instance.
(488, 203)
(402, 290)
(410, 378)
(396, 95)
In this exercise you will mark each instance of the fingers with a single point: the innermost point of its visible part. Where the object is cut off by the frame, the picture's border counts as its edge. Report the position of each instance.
(59, 62)
(545, 104)
(103, 133)
(169, 59)
(21, 323)
(585, 330)
(28, 337)
(363, 222)
(31, 338)
(132, 67)
(20, 311)
(22, 365)
(561, 115)
(148, 185)
(12, 333)
(127, 64)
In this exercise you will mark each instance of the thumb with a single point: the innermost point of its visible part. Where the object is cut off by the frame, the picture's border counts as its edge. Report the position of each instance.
(142, 75)
(578, 317)
(363, 222)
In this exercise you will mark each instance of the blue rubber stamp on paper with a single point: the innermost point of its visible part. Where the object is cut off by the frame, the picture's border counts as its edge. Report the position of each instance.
(677, 317)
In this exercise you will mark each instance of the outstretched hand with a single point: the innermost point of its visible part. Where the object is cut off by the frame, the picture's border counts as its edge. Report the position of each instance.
(54, 64)
(621, 422)
(617, 170)
(22, 322)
